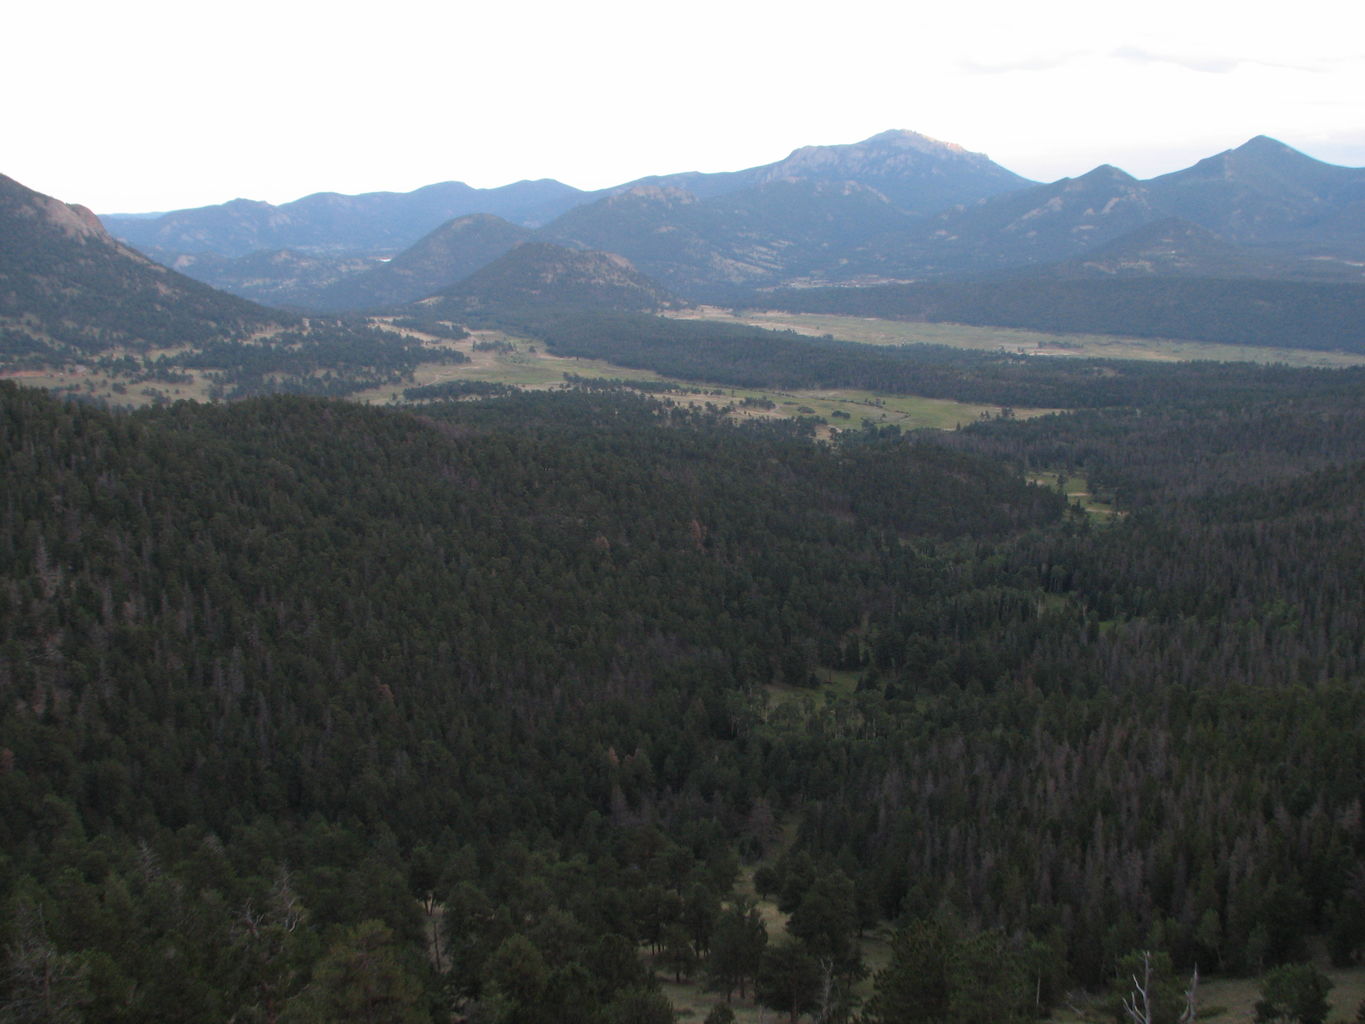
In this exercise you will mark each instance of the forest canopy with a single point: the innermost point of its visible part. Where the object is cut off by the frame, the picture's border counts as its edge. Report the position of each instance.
(475, 707)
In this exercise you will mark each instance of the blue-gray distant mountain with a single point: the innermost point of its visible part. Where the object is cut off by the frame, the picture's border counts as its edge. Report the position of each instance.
(1039, 224)
(1264, 191)
(897, 207)
(375, 223)
(1170, 248)
(914, 172)
(290, 279)
(752, 238)
(437, 260)
(1301, 217)
(1283, 202)
(284, 278)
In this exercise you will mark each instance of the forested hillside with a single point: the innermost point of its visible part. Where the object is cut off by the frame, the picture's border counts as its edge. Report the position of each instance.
(70, 291)
(319, 712)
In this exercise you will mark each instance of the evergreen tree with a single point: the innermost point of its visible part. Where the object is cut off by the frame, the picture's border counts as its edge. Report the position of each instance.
(361, 978)
(1293, 994)
(737, 947)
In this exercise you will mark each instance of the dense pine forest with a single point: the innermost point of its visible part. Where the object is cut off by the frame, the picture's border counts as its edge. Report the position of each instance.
(481, 709)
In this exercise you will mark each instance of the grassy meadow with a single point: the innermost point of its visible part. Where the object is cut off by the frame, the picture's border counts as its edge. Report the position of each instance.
(501, 358)
(1099, 346)
(498, 357)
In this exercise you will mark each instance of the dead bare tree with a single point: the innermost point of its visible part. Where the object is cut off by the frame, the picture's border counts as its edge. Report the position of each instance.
(1139, 1006)
(1188, 1014)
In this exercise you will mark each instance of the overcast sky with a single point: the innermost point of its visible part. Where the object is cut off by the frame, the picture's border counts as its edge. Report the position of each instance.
(161, 104)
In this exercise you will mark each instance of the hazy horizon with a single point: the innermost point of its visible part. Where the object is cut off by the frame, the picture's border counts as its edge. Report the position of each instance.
(154, 106)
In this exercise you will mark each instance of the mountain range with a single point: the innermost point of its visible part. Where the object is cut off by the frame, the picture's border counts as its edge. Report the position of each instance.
(327, 223)
(895, 208)
(1277, 211)
(1261, 245)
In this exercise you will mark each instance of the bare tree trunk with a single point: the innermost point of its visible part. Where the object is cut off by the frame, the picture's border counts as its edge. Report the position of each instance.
(1191, 1010)
(1138, 1005)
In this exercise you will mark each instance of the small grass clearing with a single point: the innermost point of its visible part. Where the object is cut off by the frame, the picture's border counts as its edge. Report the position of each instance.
(1077, 490)
(831, 683)
(691, 999)
(846, 408)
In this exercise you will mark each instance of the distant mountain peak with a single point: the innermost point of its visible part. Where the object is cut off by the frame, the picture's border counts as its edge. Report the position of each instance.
(906, 139)
(1107, 172)
(1258, 155)
(914, 172)
(1265, 192)
(898, 149)
(1264, 145)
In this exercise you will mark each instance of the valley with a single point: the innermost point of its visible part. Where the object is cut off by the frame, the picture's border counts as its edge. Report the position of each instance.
(498, 358)
(874, 331)
(615, 608)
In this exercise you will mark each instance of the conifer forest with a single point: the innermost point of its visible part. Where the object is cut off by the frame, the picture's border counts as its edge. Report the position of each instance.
(509, 706)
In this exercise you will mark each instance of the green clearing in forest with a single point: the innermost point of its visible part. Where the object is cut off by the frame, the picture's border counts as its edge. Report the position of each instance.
(1077, 490)
(907, 412)
(692, 1001)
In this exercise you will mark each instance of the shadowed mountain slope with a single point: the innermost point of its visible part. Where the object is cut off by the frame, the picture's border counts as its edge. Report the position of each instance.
(1264, 191)
(539, 274)
(1169, 248)
(752, 238)
(65, 282)
(450, 253)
